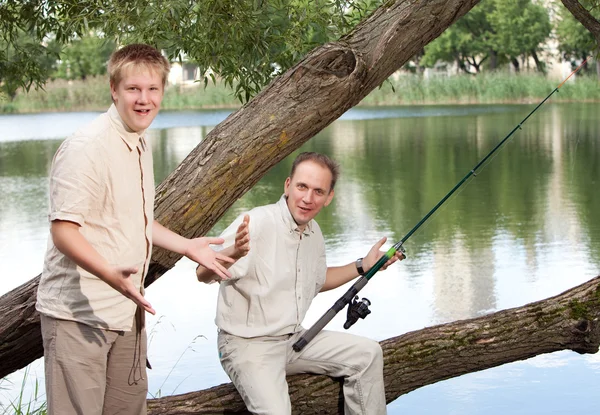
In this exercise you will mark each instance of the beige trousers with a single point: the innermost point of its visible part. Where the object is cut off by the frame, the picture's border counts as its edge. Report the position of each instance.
(258, 367)
(92, 371)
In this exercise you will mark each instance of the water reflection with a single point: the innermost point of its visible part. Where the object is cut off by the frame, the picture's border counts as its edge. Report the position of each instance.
(524, 229)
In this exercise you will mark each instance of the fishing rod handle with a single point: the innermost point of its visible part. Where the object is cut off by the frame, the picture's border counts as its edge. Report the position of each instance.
(310, 334)
(338, 306)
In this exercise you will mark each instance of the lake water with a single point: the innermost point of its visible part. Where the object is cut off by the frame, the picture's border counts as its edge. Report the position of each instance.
(526, 228)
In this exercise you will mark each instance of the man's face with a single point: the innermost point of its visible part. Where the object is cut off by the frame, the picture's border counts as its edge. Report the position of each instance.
(308, 191)
(138, 97)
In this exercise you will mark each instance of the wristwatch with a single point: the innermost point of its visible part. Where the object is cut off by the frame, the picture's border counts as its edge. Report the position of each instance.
(359, 266)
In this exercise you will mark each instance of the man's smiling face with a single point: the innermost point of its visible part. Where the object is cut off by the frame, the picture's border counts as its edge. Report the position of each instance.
(308, 191)
(138, 96)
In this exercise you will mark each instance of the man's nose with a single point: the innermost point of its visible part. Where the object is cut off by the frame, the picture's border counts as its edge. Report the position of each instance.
(143, 97)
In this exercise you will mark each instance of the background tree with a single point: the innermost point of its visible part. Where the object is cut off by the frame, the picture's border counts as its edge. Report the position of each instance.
(575, 41)
(498, 30)
(520, 27)
(84, 57)
(466, 43)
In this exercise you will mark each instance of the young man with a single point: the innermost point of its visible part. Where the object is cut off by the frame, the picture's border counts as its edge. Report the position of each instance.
(280, 268)
(102, 228)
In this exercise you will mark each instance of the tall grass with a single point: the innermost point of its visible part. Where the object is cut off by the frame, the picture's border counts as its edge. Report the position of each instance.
(93, 94)
(22, 405)
(485, 88)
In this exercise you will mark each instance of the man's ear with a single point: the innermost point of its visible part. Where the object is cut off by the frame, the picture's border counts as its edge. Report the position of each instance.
(329, 198)
(286, 186)
(113, 91)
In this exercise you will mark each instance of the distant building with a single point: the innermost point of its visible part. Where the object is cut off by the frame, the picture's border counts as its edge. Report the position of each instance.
(183, 73)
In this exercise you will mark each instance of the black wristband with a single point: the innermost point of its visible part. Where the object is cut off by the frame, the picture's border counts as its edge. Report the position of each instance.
(359, 266)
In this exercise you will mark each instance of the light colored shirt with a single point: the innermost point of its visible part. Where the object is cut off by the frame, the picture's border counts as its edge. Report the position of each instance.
(272, 287)
(102, 180)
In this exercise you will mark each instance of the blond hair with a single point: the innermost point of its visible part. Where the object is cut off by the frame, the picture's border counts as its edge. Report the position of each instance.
(139, 55)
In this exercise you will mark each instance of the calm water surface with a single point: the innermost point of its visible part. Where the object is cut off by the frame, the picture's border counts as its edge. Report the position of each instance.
(527, 228)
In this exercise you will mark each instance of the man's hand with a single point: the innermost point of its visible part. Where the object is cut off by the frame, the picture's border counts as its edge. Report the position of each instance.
(198, 250)
(375, 253)
(71, 242)
(242, 239)
(121, 281)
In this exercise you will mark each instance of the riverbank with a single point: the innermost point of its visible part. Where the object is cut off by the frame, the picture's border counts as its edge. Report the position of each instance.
(497, 88)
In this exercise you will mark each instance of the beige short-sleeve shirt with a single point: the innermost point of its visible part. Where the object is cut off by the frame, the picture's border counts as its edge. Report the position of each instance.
(101, 179)
(272, 287)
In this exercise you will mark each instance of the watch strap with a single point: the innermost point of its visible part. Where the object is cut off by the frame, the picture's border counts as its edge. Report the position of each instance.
(359, 266)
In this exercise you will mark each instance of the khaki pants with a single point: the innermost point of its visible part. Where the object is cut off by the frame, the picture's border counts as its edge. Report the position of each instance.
(92, 371)
(258, 367)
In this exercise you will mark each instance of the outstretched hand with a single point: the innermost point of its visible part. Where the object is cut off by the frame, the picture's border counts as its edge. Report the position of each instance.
(126, 287)
(375, 254)
(198, 250)
(242, 239)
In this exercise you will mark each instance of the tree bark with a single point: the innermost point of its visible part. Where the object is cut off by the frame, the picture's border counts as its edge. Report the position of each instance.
(569, 321)
(239, 151)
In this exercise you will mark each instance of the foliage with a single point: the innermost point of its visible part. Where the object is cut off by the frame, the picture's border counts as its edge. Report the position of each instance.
(23, 54)
(244, 42)
(520, 26)
(85, 57)
(575, 41)
(466, 42)
(498, 29)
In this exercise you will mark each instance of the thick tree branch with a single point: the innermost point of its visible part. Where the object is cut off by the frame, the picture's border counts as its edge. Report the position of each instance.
(584, 17)
(569, 321)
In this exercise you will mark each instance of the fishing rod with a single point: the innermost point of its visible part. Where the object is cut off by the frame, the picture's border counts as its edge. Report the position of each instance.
(360, 308)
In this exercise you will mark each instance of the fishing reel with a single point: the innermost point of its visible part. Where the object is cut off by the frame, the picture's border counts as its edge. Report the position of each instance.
(357, 309)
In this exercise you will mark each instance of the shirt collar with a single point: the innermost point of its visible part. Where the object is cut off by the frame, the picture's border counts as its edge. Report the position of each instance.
(130, 138)
(288, 219)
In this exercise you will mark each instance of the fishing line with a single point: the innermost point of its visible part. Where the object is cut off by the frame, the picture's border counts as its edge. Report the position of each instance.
(359, 308)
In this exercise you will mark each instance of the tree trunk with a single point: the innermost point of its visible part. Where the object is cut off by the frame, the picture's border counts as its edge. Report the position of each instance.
(515, 63)
(239, 151)
(539, 65)
(493, 60)
(569, 321)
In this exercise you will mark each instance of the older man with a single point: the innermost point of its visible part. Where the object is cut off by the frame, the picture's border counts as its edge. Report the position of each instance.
(280, 267)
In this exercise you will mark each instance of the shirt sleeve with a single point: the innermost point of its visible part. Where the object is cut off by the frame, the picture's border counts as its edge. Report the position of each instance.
(321, 268)
(74, 183)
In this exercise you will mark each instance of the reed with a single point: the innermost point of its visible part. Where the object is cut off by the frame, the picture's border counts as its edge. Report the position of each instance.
(486, 88)
(34, 405)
